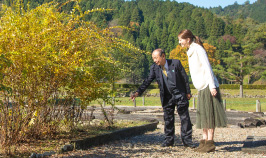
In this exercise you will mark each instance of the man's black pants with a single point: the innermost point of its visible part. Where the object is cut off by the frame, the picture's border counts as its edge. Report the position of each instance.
(169, 119)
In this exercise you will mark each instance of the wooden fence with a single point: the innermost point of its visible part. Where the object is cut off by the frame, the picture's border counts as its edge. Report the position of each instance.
(258, 103)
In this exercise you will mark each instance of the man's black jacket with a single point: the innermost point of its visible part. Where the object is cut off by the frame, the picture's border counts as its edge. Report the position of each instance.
(178, 73)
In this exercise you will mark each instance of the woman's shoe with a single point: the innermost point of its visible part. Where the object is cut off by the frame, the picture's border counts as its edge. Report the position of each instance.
(208, 147)
(201, 145)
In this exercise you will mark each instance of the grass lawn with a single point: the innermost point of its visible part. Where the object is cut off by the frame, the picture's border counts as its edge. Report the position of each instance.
(240, 104)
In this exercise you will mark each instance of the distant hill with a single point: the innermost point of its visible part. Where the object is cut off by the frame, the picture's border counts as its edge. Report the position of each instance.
(256, 11)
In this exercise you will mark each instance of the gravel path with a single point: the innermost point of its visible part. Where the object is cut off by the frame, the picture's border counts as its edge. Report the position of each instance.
(228, 141)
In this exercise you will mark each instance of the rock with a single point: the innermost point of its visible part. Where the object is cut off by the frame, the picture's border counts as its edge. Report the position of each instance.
(92, 117)
(251, 122)
(39, 155)
(250, 126)
(33, 155)
(259, 123)
(240, 125)
(47, 154)
(68, 147)
(123, 111)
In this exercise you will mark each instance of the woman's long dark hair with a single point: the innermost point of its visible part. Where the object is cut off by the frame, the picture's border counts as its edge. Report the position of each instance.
(185, 34)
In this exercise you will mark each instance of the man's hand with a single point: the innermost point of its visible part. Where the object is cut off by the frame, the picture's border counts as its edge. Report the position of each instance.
(133, 96)
(189, 96)
(214, 92)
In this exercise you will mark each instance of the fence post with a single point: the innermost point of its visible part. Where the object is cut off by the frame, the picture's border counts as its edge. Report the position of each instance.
(194, 106)
(113, 101)
(258, 107)
(224, 102)
(134, 102)
(73, 108)
(143, 100)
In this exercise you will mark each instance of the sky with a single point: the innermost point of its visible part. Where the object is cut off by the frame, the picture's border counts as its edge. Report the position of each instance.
(214, 3)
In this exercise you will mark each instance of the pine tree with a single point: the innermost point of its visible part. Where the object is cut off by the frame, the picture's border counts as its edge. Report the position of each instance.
(228, 29)
(124, 19)
(238, 63)
(217, 27)
(192, 25)
(135, 16)
(208, 20)
(200, 28)
(164, 39)
(143, 31)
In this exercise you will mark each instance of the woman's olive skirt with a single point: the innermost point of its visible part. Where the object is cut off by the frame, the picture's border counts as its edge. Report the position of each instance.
(210, 110)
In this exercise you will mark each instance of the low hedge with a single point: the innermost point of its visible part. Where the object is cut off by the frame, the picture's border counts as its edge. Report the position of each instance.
(222, 86)
(236, 86)
(135, 86)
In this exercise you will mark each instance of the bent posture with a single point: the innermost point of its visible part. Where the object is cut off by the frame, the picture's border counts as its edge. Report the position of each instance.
(174, 92)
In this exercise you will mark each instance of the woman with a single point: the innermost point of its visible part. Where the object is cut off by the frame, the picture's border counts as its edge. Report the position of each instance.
(210, 112)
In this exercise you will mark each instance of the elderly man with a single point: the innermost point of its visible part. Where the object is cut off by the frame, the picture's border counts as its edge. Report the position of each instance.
(174, 91)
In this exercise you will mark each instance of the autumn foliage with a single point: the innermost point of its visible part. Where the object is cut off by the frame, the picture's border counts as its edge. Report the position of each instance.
(180, 54)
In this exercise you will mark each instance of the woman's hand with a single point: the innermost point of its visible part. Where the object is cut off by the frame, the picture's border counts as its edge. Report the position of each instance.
(214, 92)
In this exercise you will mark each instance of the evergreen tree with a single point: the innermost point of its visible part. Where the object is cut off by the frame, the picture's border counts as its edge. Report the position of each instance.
(238, 32)
(239, 63)
(217, 27)
(228, 29)
(124, 19)
(99, 18)
(143, 31)
(208, 20)
(200, 28)
(192, 25)
(135, 16)
(164, 40)
(172, 42)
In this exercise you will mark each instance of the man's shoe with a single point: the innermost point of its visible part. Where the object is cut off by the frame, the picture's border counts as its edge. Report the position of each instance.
(190, 145)
(167, 144)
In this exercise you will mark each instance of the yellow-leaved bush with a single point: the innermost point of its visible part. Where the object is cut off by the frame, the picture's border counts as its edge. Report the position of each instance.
(43, 53)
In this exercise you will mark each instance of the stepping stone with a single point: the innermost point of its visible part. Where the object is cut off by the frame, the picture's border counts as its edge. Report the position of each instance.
(255, 145)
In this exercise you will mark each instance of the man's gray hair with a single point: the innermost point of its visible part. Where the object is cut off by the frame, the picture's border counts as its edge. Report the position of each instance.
(161, 51)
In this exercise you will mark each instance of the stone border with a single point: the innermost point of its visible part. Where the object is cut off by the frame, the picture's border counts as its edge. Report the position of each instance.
(86, 143)
(255, 145)
(83, 144)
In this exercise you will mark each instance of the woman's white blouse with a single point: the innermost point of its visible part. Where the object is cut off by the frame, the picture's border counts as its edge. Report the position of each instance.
(200, 68)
